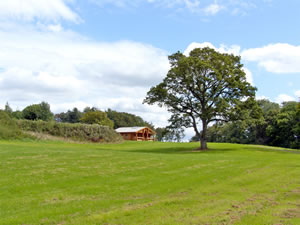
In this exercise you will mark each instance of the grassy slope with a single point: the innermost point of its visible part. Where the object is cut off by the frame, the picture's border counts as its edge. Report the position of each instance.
(147, 183)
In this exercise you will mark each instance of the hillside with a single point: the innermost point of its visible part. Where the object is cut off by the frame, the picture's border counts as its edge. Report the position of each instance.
(147, 183)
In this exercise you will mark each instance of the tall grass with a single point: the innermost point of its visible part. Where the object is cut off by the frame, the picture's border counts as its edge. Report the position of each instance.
(78, 132)
(9, 129)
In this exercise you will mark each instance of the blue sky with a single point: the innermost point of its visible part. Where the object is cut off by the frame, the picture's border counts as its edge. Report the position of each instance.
(105, 53)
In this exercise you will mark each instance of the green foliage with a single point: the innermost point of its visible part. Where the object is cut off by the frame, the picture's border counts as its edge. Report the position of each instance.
(5, 119)
(123, 119)
(78, 132)
(38, 112)
(97, 117)
(160, 133)
(71, 116)
(279, 126)
(205, 86)
(90, 109)
(7, 108)
(284, 131)
(8, 128)
(169, 134)
(17, 114)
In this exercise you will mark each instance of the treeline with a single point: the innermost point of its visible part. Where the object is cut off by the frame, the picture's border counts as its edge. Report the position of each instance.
(277, 126)
(90, 115)
(12, 129)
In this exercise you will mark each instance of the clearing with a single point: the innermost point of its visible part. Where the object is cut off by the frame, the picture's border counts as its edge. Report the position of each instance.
(51, 182)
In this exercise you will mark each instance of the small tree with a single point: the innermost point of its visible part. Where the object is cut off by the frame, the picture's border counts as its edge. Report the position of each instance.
(96, 117)
(205, 86)
(8, 109)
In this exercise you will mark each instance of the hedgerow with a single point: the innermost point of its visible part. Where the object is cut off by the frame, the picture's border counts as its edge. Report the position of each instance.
(9, 129)
(77, 131)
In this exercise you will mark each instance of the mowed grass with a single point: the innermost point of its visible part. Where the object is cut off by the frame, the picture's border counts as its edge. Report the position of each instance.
(147, 183)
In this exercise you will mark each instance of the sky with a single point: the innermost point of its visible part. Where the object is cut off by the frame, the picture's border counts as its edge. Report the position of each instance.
(109, 53)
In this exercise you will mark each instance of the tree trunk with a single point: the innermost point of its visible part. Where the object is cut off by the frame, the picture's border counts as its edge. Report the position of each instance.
(203, 136)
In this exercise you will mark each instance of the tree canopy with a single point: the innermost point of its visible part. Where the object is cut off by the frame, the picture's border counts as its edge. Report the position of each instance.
(123, 119)
(205, 86)
(96, 117)
(71, 116)
(38, 112)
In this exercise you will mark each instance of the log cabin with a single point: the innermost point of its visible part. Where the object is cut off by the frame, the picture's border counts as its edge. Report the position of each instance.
(136, 133)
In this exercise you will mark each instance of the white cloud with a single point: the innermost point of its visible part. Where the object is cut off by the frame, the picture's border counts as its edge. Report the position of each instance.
(297, 93)
(55, 27)
(234, 49)
(194, 6)
(28, 10)
(213, 9)
(204, 7)
(190, 4)
(68, 71)
(261, 97)
(284, 98)
(249, 76)
(275, 58)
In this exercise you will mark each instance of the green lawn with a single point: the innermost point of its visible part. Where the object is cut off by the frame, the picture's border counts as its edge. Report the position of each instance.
(147, 183)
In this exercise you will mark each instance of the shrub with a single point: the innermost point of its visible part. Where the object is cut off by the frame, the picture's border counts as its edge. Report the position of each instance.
(76, 131)
(9, 129)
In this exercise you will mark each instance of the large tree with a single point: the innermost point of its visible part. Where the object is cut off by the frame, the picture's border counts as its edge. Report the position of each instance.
(205, 86)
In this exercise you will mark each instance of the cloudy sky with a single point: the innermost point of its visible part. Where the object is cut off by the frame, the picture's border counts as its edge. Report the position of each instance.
(108, 53)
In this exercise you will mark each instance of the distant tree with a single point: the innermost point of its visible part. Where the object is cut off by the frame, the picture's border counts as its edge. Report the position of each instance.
(205, 86)
(169, 134)
(214, 134)
(175, 134)
(123, 119)
(8, 109)
(90, 109)
(196, 138)
(269, 112)
(96, 117)
(296, 128)
(284, 131)
(71, 116)
(160, 133)
(38, 112)
(278, 126)
(17, 114)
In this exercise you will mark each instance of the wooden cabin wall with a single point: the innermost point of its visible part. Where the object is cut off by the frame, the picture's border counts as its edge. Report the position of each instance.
(142, 135)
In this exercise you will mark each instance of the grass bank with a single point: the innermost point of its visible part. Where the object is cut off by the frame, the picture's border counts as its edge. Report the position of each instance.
(74, 131)
(147, 183)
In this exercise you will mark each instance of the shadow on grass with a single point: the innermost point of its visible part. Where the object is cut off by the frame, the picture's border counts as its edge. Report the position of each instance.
(179, 150)
(192, 149)
(264, 148)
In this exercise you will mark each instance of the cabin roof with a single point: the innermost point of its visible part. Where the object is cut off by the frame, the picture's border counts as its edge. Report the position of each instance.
(130, 129)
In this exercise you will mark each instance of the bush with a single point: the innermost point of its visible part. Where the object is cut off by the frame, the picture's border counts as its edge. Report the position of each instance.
(76, 131)
(9, 129)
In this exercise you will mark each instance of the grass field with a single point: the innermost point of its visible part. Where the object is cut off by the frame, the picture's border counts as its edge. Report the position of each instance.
(147, 183)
